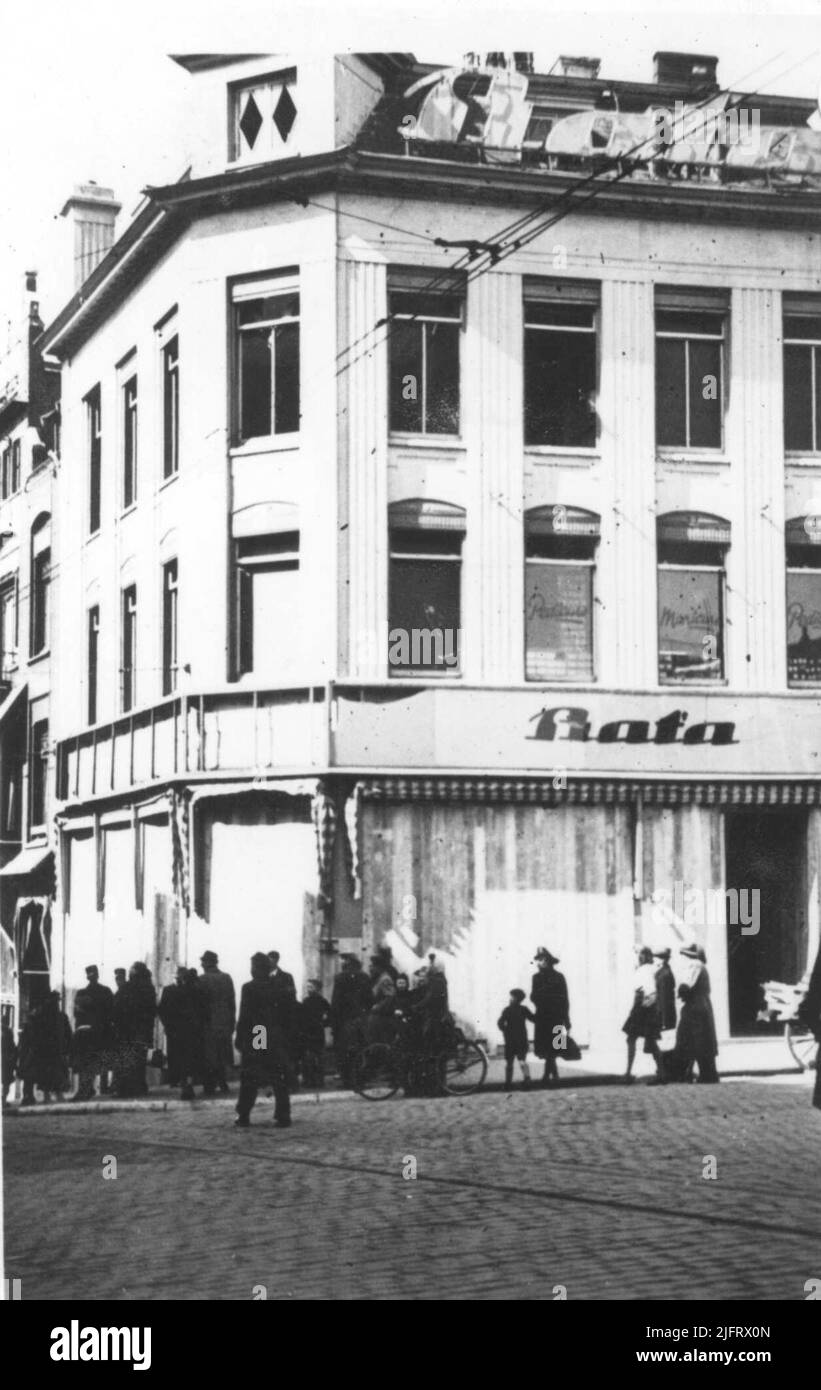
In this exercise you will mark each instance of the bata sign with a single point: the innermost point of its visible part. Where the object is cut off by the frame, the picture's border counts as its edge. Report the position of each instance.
(573, 722)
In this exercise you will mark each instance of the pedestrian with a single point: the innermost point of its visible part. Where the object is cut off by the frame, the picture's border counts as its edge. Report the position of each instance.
(643, 1021)
(381, 1023)
(384, 959)
(696, 1042)
(45, 1051)
(430, 1023)
(184, 1014)
(402, 997)
(93, 1031)
(314, 1016)
(10, 1056)
(666, 1001)
(113, 1058)
(139, 1012)
(218, 993)
(264, 1026)
(550, 1000)
(512, 1024)
(809, 1013)
(282, 980)
(350, 1002)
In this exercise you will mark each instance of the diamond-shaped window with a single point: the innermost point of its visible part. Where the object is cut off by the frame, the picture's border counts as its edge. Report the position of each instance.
(250, 121)
(284, 114)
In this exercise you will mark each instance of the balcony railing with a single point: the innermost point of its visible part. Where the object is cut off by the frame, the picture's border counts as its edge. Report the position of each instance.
(241, 732)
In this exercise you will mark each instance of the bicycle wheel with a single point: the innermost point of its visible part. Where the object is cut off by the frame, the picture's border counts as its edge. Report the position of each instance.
(464, 1068)
(377, 1076)
(802, 1044)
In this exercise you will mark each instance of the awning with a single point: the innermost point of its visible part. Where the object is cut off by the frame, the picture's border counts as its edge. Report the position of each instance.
(10, 701)
(566, 789)
(26, 862)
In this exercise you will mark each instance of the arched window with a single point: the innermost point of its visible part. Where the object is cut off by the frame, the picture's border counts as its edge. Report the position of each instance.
(40, 579)
(560, 557)
(692, 547)
(424, 587)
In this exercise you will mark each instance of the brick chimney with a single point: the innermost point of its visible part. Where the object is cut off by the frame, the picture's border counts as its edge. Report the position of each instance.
(93, 211)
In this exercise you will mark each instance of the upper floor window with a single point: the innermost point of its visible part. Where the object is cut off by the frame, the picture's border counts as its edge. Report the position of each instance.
(38, 770)
(169, 627)
(690, 342)
(263, 115)
(268, 616)
(93, 661)
(424, 588)
(130, 442)
(128, 665)
(691, 579)
(804, 601)
(40, 581)
(560, 363)
(8, 626)
(423, 351)
(171, 406)
(5, 473)
(802, 373)
(16, 468)
(560, 550)
(266, 318)
(95, 444)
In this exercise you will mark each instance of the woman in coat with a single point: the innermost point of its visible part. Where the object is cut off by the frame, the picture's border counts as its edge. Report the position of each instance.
(552, 1008)
(696, 1042)
(45, 1050)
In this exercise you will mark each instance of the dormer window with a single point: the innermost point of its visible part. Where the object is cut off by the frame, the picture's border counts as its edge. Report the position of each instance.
(263, 116)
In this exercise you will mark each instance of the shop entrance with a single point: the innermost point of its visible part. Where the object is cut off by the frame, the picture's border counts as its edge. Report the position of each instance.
(765, 851)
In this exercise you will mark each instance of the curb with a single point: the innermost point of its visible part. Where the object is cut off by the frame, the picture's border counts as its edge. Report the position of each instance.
(111, 1107)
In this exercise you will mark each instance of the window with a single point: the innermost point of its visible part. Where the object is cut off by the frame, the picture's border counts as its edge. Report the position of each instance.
(169, 627)
(803, 602)
(8, 627)
(171, 407)
(38, 772)
(267, 604)
(560, 547)
(40, 578)
(424, 588)
(560, 363)
(93, 661)
(802, 374)
(423, 352)
(94, 425)
(691, 558)
(690, 334)
(5, 473)
(15, 465)
(267, 359)
(263, 116)
(128, 668)
(130, 442)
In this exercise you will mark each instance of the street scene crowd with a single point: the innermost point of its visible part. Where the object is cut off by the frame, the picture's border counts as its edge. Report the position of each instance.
(282, 1040)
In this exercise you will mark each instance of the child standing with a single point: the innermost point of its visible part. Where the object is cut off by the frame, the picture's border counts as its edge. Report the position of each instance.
(513, 1025)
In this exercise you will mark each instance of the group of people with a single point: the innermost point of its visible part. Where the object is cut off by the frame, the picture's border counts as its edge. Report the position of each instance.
(386, 1005)
(653, 1013)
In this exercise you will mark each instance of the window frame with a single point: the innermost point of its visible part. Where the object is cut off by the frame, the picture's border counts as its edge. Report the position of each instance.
(128, 648)
(94, 454)
(419, 282)
(39, 588)
(283, 77)
(813, 345)
(38, 785)
(721, 571)
(170, 371)
(279, 558)
(273, 284)
(440, 519)
(16, 466)
(684, 302)
(92, 662)
(129, 405)
(573, 294)
(170, 626)
(9, 597)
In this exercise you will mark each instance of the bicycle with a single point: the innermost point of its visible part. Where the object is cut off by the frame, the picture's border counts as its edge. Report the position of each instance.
(457, 1068)
(782, 1004)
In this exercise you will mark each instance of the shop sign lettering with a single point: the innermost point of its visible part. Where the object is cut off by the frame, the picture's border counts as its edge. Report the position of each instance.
(573, 723)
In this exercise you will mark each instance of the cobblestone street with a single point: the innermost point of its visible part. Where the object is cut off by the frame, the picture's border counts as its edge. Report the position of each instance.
(596, 1189)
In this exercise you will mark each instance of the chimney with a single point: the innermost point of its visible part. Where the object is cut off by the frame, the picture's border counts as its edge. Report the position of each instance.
(93, 211)
(517, 62)
(685, 69)
(565, 66)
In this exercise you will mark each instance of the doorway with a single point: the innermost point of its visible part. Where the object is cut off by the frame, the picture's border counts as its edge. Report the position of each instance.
(765, 853)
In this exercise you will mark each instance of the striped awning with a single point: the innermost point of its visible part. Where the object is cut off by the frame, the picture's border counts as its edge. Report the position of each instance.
(587, 791)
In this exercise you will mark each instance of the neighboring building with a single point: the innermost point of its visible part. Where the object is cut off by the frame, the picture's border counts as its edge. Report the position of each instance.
(29, 443)
(428, 582)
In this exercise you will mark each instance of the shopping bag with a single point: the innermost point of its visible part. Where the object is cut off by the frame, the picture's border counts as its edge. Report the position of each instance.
(667, 1040)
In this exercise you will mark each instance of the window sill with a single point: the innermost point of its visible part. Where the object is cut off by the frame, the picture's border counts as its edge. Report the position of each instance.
(39, 656)
(166, 482)
(270, 444)
(564, 450)
(802, 458)
(701, 687)
(126, 511)
(414, 676)
(715, 457)
(427, 441)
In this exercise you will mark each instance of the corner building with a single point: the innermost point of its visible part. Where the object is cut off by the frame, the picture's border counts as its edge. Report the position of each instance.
(309, 408)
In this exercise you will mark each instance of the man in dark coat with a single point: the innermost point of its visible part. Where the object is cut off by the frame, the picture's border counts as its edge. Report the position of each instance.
(139, 1012)
(184, 1015)
(809, 1013)
(264, 1027)
(217, 989)
(350, 1001)
(314, 1016)
(550, 1001)
(45, 1050)
(93, 1031)
(665, 990)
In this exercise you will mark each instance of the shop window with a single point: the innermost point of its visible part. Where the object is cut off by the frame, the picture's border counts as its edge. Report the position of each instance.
(267, 594)
(95, 442)
(40, 582)
(263, 116)
(266, 321)
(560, 550)
(424, 588)
(690, 343)
(425, 318)
(692, 548)
(171, 407)
(804, 602)
(560, 363)
(38, 773)
(169, 627)
(8, 627)
(93, 663)
(128, 667)
(802, 374)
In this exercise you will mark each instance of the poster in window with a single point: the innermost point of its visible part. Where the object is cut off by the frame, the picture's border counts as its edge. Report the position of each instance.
(804, 627)
(559, 622)
(690, 646)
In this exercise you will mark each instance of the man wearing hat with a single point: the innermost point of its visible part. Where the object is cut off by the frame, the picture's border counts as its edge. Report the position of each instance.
(263, 1028)
(350, 1001)
(217, 989)
(552, 1006)
(665, 989)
